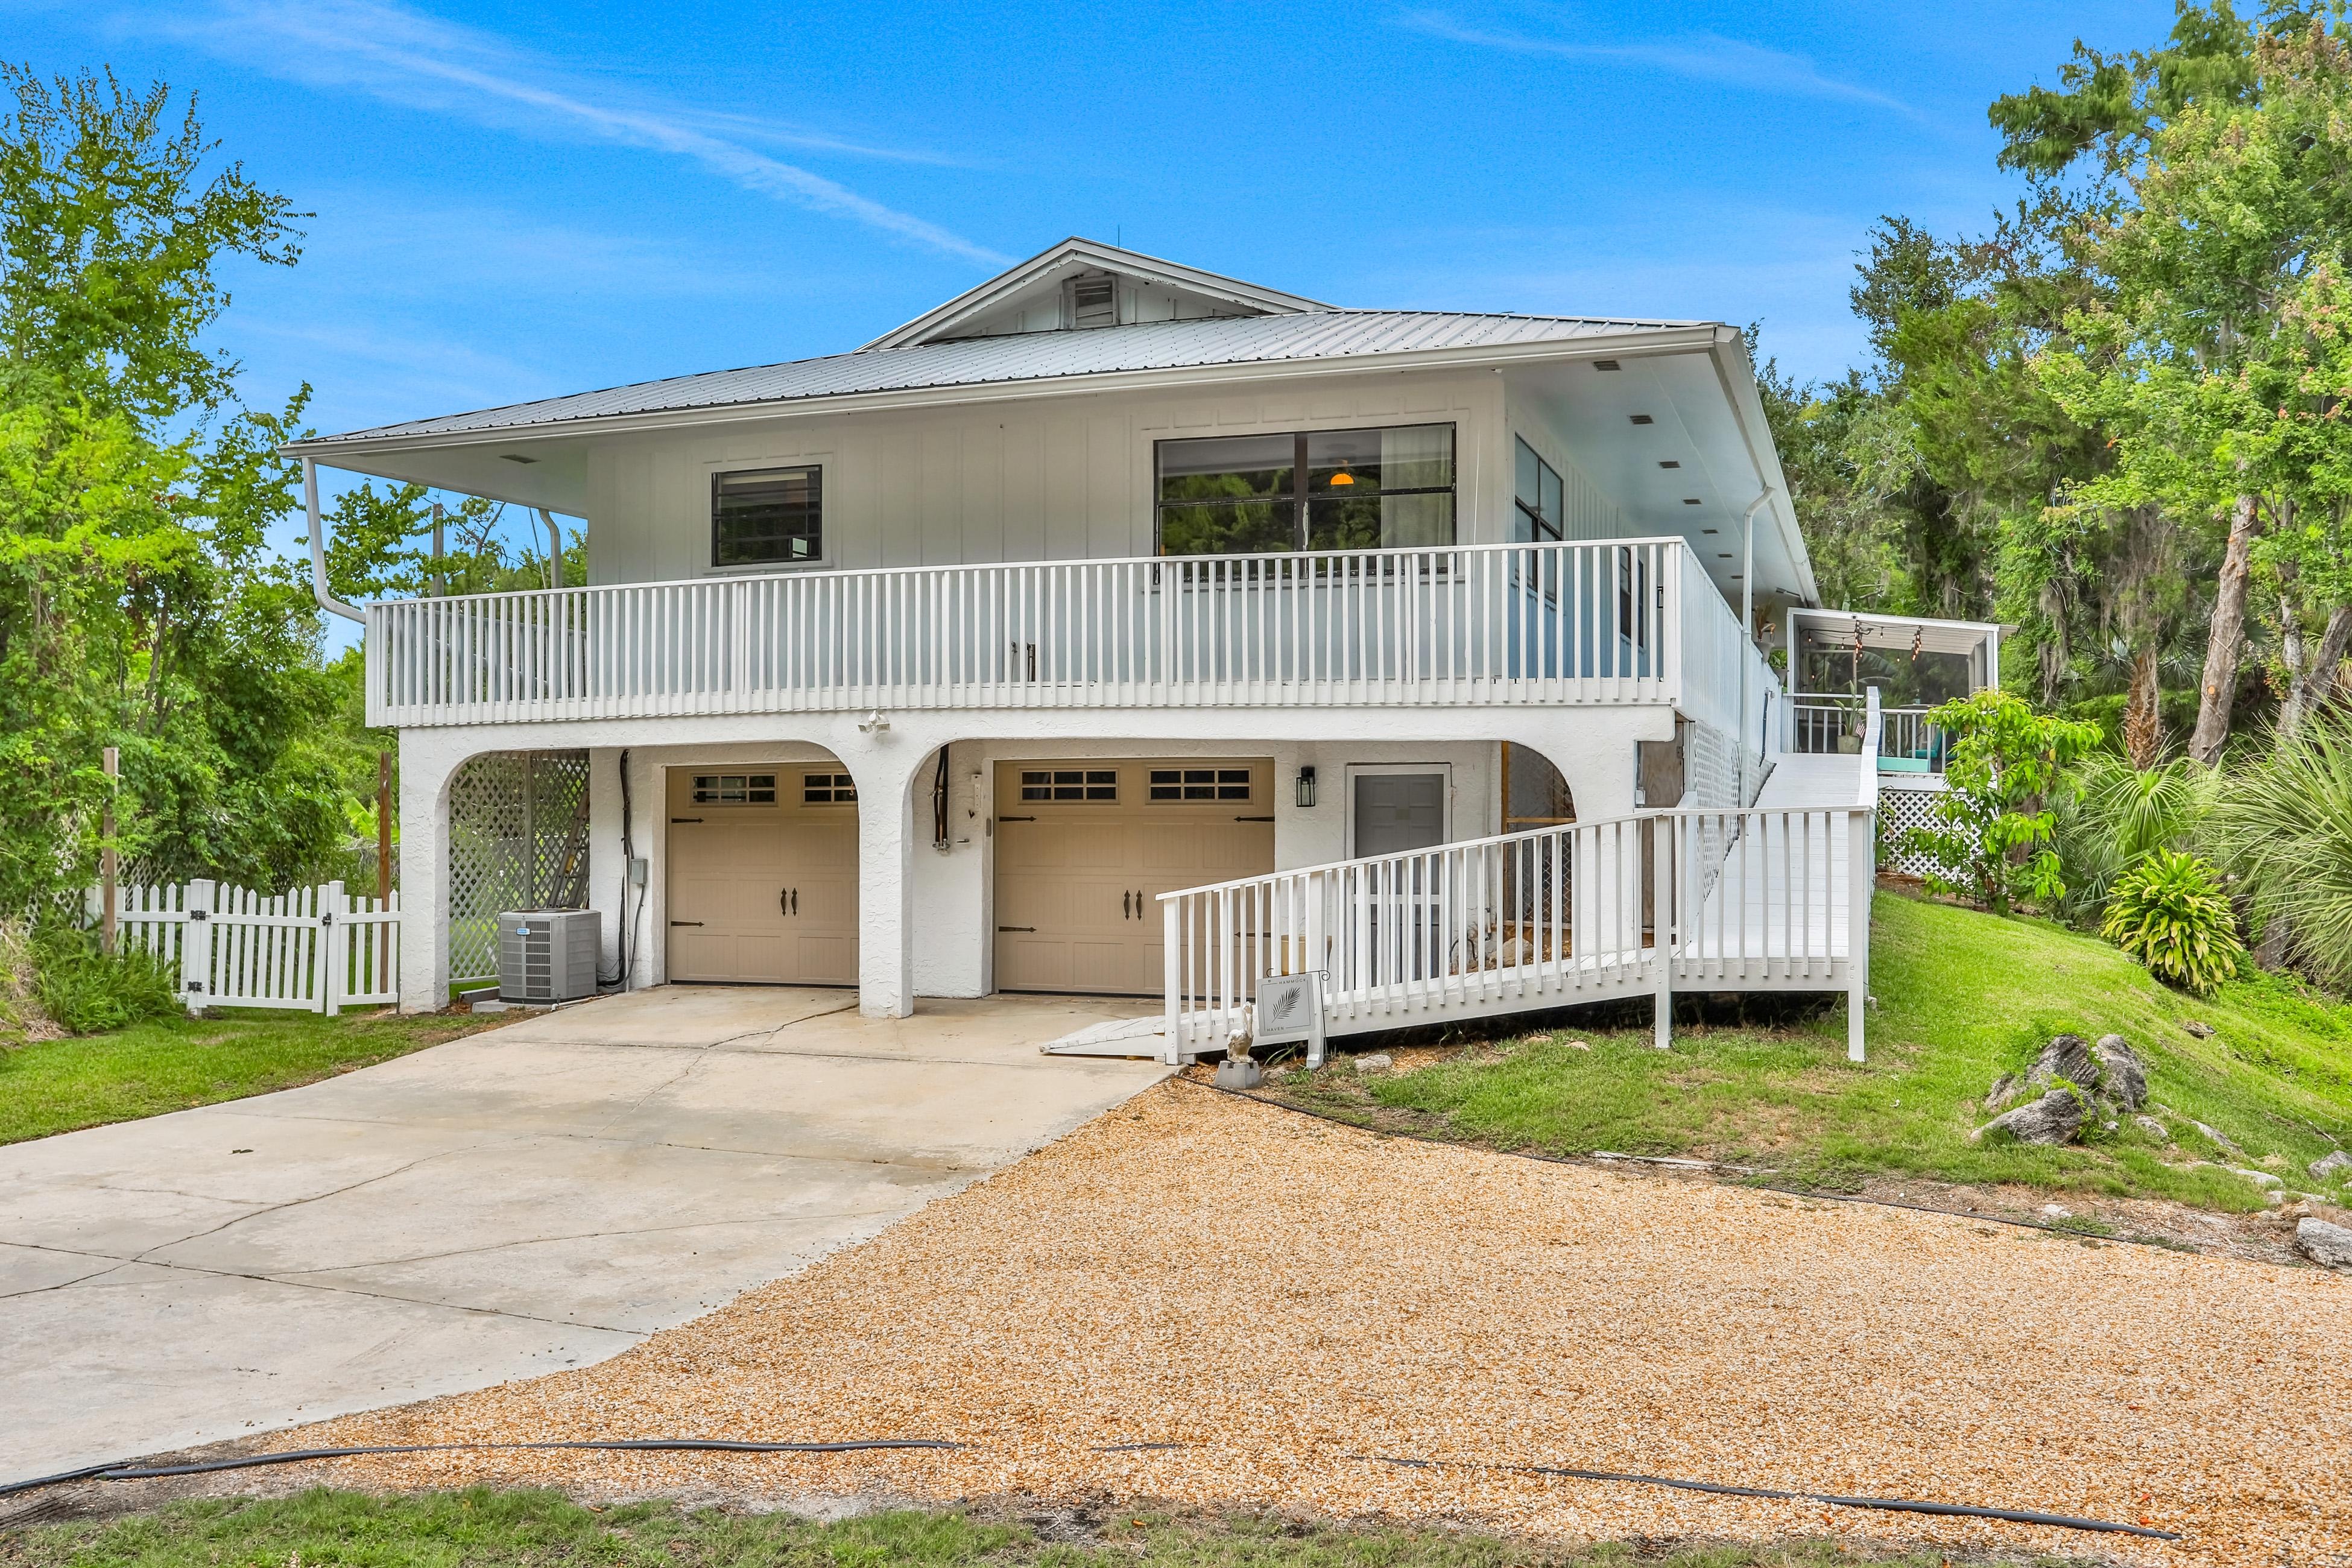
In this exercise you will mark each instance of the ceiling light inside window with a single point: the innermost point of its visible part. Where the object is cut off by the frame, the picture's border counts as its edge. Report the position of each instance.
(1343, 478)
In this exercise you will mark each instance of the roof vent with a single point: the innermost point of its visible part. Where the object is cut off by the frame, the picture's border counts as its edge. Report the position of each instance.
(1094, 300)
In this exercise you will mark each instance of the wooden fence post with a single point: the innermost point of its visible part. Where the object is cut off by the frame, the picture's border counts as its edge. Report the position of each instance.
(109, 866)
(196, 946)
(334, 939)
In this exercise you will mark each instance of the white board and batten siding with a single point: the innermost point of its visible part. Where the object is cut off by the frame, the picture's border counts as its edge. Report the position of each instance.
(316, 949)
(1050, 479)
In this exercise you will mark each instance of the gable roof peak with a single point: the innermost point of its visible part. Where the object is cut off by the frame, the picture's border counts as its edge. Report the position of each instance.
(1049, 268)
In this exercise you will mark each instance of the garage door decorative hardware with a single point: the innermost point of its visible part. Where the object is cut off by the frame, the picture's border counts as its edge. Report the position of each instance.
(1017, 928)
(788, 901)
(1017, 820)
(686, 819)
(686, 922)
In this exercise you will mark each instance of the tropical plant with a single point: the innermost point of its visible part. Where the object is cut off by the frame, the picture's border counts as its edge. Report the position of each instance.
(87, 991)
(1994, 821)
(2168, 911)
(2116, 817)
(2284, 825)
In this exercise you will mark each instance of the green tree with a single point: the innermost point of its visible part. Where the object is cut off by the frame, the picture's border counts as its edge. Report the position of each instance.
(1993, 837)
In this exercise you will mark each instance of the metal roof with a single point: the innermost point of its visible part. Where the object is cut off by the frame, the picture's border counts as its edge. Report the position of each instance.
(1034, 356)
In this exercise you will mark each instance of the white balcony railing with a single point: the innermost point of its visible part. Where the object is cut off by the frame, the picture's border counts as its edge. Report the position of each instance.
(1596, 621)
(1908, 742)
(1628, 905)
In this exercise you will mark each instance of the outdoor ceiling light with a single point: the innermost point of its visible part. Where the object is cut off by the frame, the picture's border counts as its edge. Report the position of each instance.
(1668, 463)
(1604, 364)
(1641, 419)
(1306, 789)
(1343, 478)
(517, 458)
(1692, 500)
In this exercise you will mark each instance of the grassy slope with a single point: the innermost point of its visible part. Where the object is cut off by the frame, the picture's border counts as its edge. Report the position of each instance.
(171, 1064)
(482, 1528)
(1963, 998)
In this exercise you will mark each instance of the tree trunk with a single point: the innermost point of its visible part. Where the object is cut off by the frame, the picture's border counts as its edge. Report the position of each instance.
(2310, 684)
(2143, 721)
(2219, 690)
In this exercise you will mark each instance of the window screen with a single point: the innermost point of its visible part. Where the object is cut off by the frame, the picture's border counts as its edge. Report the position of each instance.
(766, 517)
(1313, 489)
(1199, 783)
(734, 789)
(1070, 783)
(827, 789)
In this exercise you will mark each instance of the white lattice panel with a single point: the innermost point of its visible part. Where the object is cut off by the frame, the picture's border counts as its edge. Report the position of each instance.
(518, 840)
(1902, 807)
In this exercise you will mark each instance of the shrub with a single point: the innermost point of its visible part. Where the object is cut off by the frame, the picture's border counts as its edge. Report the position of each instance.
(1994, 821)
(2118, 815)
(89, 992)
(2285, 827)
(2169, 912)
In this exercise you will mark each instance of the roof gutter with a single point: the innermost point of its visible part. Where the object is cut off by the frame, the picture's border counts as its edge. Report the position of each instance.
(327, 601)
(1698, 338)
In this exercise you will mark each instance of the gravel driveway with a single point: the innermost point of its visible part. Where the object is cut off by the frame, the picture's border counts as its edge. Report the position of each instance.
(537, 1197)
(1278, 1297)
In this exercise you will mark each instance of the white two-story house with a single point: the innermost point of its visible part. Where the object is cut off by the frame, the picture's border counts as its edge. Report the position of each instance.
(1121, 628)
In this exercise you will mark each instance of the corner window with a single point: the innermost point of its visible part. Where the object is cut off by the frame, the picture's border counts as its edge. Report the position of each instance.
(1314, 489)
(1538, 497)
(767, 517)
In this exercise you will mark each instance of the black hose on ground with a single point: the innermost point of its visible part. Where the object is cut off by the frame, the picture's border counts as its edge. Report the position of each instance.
(128, 1472)
(1895, 1505)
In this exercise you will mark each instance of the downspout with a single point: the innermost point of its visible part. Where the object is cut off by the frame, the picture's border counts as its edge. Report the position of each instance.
(327, 601)
(554, 549)
(1747, 630)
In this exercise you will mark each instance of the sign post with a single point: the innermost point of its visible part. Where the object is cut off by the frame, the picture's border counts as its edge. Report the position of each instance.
(1291, 1012)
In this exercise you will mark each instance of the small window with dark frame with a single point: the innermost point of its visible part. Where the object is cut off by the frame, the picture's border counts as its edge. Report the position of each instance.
(1093, 785)
(734, 789)
(828, 789)
(767, 517)
(1199, 783)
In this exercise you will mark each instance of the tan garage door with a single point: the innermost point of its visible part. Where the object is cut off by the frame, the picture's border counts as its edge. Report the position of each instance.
(763, 875)
(1084, 847)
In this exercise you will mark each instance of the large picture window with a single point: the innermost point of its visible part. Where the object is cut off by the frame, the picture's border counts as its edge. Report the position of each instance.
(1312, 489)
(767, 517)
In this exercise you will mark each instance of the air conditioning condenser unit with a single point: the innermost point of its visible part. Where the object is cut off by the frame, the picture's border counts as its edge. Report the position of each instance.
(547, 955)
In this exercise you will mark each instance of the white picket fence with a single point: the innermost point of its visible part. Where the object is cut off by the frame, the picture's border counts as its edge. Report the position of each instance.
(317, 950)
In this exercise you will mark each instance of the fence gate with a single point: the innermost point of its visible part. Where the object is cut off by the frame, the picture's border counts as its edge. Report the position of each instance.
(317, 950)
(518, 840)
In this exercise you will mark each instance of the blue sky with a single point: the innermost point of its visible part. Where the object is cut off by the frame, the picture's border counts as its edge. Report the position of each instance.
(521, 199)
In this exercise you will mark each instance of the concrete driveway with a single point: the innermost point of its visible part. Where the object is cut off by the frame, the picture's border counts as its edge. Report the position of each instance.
(538, 1196)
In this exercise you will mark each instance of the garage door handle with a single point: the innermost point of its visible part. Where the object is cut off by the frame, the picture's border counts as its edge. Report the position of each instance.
(1017, 928)
(1124, 912)
(686, 922)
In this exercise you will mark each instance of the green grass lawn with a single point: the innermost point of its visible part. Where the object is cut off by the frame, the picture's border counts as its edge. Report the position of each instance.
(1963, 997)
(482, 1528)
(170, 1064)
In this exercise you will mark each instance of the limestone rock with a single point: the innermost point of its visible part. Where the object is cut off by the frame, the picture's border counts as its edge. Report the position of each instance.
(1378, 1061)
(2263, 1179)
(2123, 1076)
(2325, 1167)
(2055, 1118)
(2068, 1057)
(2202, 1031)
(2329, 1246)
(2221, 1139)
(2152, 1125)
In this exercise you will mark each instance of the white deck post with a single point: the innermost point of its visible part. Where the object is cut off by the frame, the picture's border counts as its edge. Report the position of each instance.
(423, 879)
(1662, 926)
(1863, 877)
(885, 772)
(1172, 969)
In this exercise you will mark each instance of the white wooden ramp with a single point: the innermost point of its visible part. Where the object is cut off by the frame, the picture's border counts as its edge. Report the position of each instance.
(1772, 898)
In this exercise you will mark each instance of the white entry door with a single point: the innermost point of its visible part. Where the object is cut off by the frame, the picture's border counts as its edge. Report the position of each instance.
(764, 874)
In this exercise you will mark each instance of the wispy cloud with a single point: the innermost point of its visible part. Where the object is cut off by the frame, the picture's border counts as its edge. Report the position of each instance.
(1705, 57)
(405, 57)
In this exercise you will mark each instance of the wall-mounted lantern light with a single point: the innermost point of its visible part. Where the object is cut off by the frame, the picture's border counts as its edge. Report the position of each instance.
(1306, 789)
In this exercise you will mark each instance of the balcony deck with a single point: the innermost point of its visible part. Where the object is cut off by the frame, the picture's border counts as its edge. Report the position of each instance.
(1618, 621)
